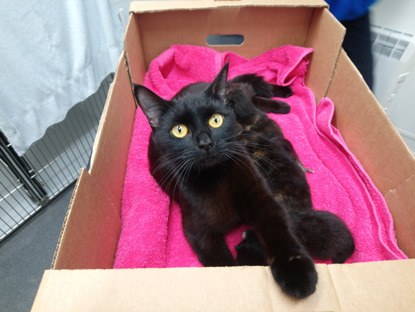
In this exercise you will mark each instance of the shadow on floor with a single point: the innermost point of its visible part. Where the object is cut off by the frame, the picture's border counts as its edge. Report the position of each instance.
(27, 253)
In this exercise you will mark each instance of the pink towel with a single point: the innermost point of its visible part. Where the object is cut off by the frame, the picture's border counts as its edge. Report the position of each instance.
(152, 234)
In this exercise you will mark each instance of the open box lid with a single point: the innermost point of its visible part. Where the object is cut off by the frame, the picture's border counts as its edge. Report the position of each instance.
(380, 286)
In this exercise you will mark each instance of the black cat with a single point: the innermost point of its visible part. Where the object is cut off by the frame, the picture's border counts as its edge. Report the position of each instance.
(323, 234)
(197, 156)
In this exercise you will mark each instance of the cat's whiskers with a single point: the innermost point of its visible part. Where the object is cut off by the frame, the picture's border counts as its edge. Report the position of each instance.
(232, 153)
(163, 161)
(177, 175)
(183, 172)
(171, 173)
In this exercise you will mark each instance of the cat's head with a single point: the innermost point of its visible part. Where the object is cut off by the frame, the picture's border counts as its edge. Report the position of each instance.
(193, 129)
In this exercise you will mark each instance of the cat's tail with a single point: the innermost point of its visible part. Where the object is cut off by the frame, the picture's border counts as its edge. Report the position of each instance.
(324, 235)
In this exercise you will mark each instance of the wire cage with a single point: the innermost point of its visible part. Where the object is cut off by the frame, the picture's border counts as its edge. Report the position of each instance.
(50, 165)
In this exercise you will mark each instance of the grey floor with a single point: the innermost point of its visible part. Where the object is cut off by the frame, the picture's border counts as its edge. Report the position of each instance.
(28, 252)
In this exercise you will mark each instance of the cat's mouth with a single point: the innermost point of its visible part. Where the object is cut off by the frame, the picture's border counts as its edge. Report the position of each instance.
(209, 160)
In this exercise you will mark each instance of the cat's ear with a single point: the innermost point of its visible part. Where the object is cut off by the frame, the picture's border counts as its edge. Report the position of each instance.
(151, 104)
(218, 86)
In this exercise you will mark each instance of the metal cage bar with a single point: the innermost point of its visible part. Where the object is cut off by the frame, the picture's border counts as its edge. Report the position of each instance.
(50, 165)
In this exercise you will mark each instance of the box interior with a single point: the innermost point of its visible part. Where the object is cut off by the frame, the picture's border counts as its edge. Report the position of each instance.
(362, 123)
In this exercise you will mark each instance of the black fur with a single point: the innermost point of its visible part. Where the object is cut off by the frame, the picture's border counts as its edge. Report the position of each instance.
(250, 251)
(220, 182)
(322, 233)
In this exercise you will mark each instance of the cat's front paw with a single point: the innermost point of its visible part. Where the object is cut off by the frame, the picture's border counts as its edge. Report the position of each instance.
(296, 276)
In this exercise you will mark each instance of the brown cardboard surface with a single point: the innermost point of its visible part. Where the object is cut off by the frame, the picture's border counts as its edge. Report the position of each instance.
(91, 229)
(401, 201)
(278, 26)
(114, 136)
(190, 289)
(133, 49)
(263, 28)
(325, 37)
(375, 142)
(358, 287)
(150, 6)
(376, 286)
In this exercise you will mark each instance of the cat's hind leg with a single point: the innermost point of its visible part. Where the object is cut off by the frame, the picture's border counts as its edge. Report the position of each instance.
(324, 235)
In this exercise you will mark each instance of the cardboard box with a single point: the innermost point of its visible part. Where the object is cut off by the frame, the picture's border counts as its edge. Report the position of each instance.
(81, 277)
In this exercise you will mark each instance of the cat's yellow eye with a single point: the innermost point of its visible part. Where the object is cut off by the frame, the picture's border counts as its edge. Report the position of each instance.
(179, 131)
(216, 120)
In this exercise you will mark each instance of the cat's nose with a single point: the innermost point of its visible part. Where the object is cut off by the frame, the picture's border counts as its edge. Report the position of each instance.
(205, 142)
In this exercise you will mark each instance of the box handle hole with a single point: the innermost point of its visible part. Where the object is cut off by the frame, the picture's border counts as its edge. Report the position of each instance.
(224, 40)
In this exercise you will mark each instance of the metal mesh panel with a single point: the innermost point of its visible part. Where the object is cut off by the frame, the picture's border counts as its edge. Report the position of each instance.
(50, 165)
(15, 205)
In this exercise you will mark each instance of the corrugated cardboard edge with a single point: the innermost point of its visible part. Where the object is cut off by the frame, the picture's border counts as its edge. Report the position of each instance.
(150, 7)
(65, 222)
(401, 201)
(114, 136)
(324, 59)
(377, 286)
(132, 38)
(373, 139)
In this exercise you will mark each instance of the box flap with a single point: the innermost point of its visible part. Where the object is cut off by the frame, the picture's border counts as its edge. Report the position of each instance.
(156, 6)
(379, 286)
(134, 51)
(263, 25)
(326, 36)
(90, 231)
(372, 138)
(262, 28)
(376, 286)
(179, 289)
(114, 135)
(401, 203)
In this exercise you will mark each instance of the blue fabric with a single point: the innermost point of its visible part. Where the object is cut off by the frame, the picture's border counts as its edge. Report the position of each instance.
(345, 10)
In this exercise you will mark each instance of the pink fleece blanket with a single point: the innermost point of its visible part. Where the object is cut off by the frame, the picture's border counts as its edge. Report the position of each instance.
(152, 234)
